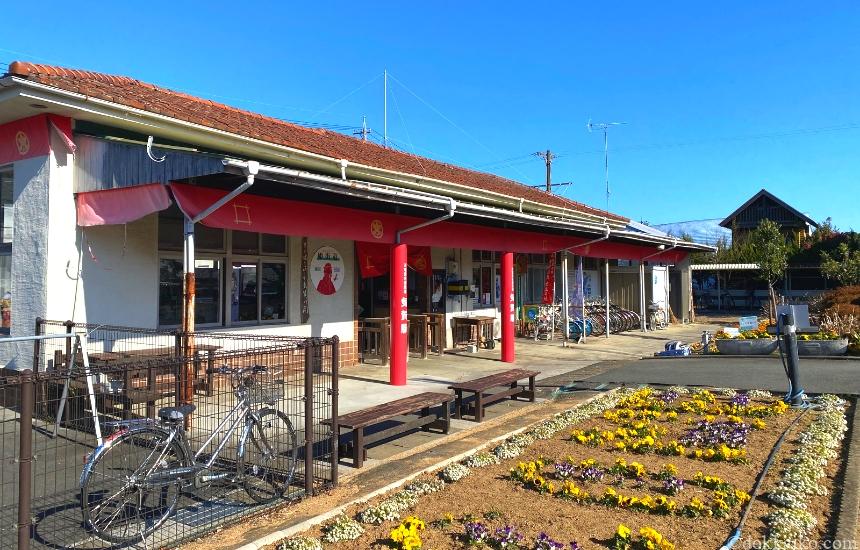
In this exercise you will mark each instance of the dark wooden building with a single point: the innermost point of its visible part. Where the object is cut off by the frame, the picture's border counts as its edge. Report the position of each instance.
(764, 205)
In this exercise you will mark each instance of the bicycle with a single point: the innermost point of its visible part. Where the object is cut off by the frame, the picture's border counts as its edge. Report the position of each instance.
(131, 483)
(658, 318)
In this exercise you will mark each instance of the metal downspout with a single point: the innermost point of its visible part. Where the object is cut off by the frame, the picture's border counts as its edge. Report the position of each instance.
(586, 243)
(251, 170)
(452, 207)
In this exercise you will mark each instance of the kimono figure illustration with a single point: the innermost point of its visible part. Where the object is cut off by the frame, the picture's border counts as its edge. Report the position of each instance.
(326, 284)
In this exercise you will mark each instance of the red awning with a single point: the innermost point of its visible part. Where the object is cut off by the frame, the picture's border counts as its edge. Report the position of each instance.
(116, 206)
(256, 213)
(374, 259)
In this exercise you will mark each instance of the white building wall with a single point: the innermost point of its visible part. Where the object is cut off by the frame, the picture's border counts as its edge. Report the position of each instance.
(64, 297)
(119, 274)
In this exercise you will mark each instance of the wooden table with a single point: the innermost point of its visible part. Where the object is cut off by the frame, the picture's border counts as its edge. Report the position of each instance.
(436, 327)
(374, 334)
(477, 329)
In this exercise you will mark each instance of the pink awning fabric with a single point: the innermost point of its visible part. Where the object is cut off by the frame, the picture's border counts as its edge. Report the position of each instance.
(117, 206)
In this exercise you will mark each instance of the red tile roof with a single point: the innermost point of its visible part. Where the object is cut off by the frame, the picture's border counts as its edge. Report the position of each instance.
(148, 97)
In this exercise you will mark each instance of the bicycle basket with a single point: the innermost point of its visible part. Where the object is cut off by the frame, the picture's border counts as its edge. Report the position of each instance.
(268, 393)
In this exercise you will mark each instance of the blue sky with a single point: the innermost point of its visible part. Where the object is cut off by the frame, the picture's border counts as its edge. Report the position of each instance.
(720, 100)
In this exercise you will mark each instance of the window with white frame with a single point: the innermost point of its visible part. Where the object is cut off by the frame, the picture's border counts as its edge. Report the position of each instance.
(485, 275)
(7, 223)
(241, 277)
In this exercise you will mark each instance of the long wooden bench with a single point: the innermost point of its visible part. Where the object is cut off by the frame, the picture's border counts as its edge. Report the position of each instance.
(420, 405)
(480, 386)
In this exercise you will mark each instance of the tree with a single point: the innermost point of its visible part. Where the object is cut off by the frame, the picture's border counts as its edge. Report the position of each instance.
(844, 265)
(770, 251)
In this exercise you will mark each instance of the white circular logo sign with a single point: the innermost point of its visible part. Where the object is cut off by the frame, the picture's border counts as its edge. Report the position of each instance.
(327, 270)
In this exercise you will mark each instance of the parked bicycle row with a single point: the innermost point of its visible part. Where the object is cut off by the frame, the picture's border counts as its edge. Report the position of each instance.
(544, 321)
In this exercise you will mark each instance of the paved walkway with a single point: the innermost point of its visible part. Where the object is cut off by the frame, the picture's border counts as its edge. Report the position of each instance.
(366, 385)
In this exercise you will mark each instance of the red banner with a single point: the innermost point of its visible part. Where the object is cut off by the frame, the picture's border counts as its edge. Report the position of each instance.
(31, 137)
(374, 259)
(288, 217)
(549, 283)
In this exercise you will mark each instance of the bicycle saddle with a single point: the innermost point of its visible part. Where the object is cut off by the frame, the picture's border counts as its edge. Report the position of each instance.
(174, 414)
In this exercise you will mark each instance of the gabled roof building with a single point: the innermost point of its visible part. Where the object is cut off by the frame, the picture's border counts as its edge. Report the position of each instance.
(120, 198)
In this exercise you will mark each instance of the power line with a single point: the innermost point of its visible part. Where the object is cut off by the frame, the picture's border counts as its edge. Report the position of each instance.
(448, 120)
(747, 137)
(406, 129)
(330, 105)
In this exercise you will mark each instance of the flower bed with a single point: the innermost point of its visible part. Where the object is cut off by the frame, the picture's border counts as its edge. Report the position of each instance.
(629, 470)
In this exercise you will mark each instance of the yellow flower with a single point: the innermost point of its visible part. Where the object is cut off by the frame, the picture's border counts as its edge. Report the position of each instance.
(623, 532)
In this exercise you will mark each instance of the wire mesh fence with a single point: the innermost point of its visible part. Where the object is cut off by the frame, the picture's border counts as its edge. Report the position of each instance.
(144, 438)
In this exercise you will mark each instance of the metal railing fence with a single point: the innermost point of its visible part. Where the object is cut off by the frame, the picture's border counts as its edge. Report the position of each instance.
(47, 425)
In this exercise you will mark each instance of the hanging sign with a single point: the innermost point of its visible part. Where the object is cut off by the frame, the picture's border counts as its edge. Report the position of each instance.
(327, 270)
(549, 284)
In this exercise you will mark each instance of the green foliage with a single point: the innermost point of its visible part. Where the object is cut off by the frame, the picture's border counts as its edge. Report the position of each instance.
(844, 265)
(769, 250)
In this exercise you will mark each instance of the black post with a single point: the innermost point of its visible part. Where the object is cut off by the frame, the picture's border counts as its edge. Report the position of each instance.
(25, 458)
(310, 349)
(335, 429)
(37, 345)
(69, 327)
(789, 338)
(177, 373)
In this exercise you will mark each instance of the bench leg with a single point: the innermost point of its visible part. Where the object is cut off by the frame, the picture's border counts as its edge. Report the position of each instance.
(513, 386)
(358, 447)
(446, 414)
(458, 404)
(425, 412)
(532, 388)
(479, 406)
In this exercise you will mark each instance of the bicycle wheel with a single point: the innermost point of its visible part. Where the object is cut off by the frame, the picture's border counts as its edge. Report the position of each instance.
(269, 460)
(117, 506)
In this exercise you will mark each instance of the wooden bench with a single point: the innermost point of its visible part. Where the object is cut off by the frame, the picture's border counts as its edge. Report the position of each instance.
(479, 387)
(419, 404)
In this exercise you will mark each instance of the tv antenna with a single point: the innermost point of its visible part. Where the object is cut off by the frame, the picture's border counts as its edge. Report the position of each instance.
(364, 131)
(605, 127)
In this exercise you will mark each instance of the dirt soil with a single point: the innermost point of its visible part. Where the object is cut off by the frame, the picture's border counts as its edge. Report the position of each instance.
(489, 492)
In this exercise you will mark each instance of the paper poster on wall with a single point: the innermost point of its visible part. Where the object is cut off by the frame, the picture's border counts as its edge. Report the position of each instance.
(327, 270)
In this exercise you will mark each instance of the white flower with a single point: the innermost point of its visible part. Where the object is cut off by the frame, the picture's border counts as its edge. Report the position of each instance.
(342, 529)
(301, 543)
(454, 472)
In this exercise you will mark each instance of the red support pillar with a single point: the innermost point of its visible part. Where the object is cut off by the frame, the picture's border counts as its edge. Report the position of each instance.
(399, 323)
(508, 307)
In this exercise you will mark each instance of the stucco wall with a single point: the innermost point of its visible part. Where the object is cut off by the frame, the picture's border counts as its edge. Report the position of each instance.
(29, 257)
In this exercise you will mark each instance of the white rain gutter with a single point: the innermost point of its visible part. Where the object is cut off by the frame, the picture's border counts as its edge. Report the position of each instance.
(144, 122)
(395, 194)
(662, 251)
(451, 208)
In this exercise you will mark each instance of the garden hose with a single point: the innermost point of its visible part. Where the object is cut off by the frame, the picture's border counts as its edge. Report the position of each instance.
(736, 534)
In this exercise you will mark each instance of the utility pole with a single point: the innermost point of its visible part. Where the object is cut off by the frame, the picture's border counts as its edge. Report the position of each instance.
(364, 129)
(548, 157)
(385, 109)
